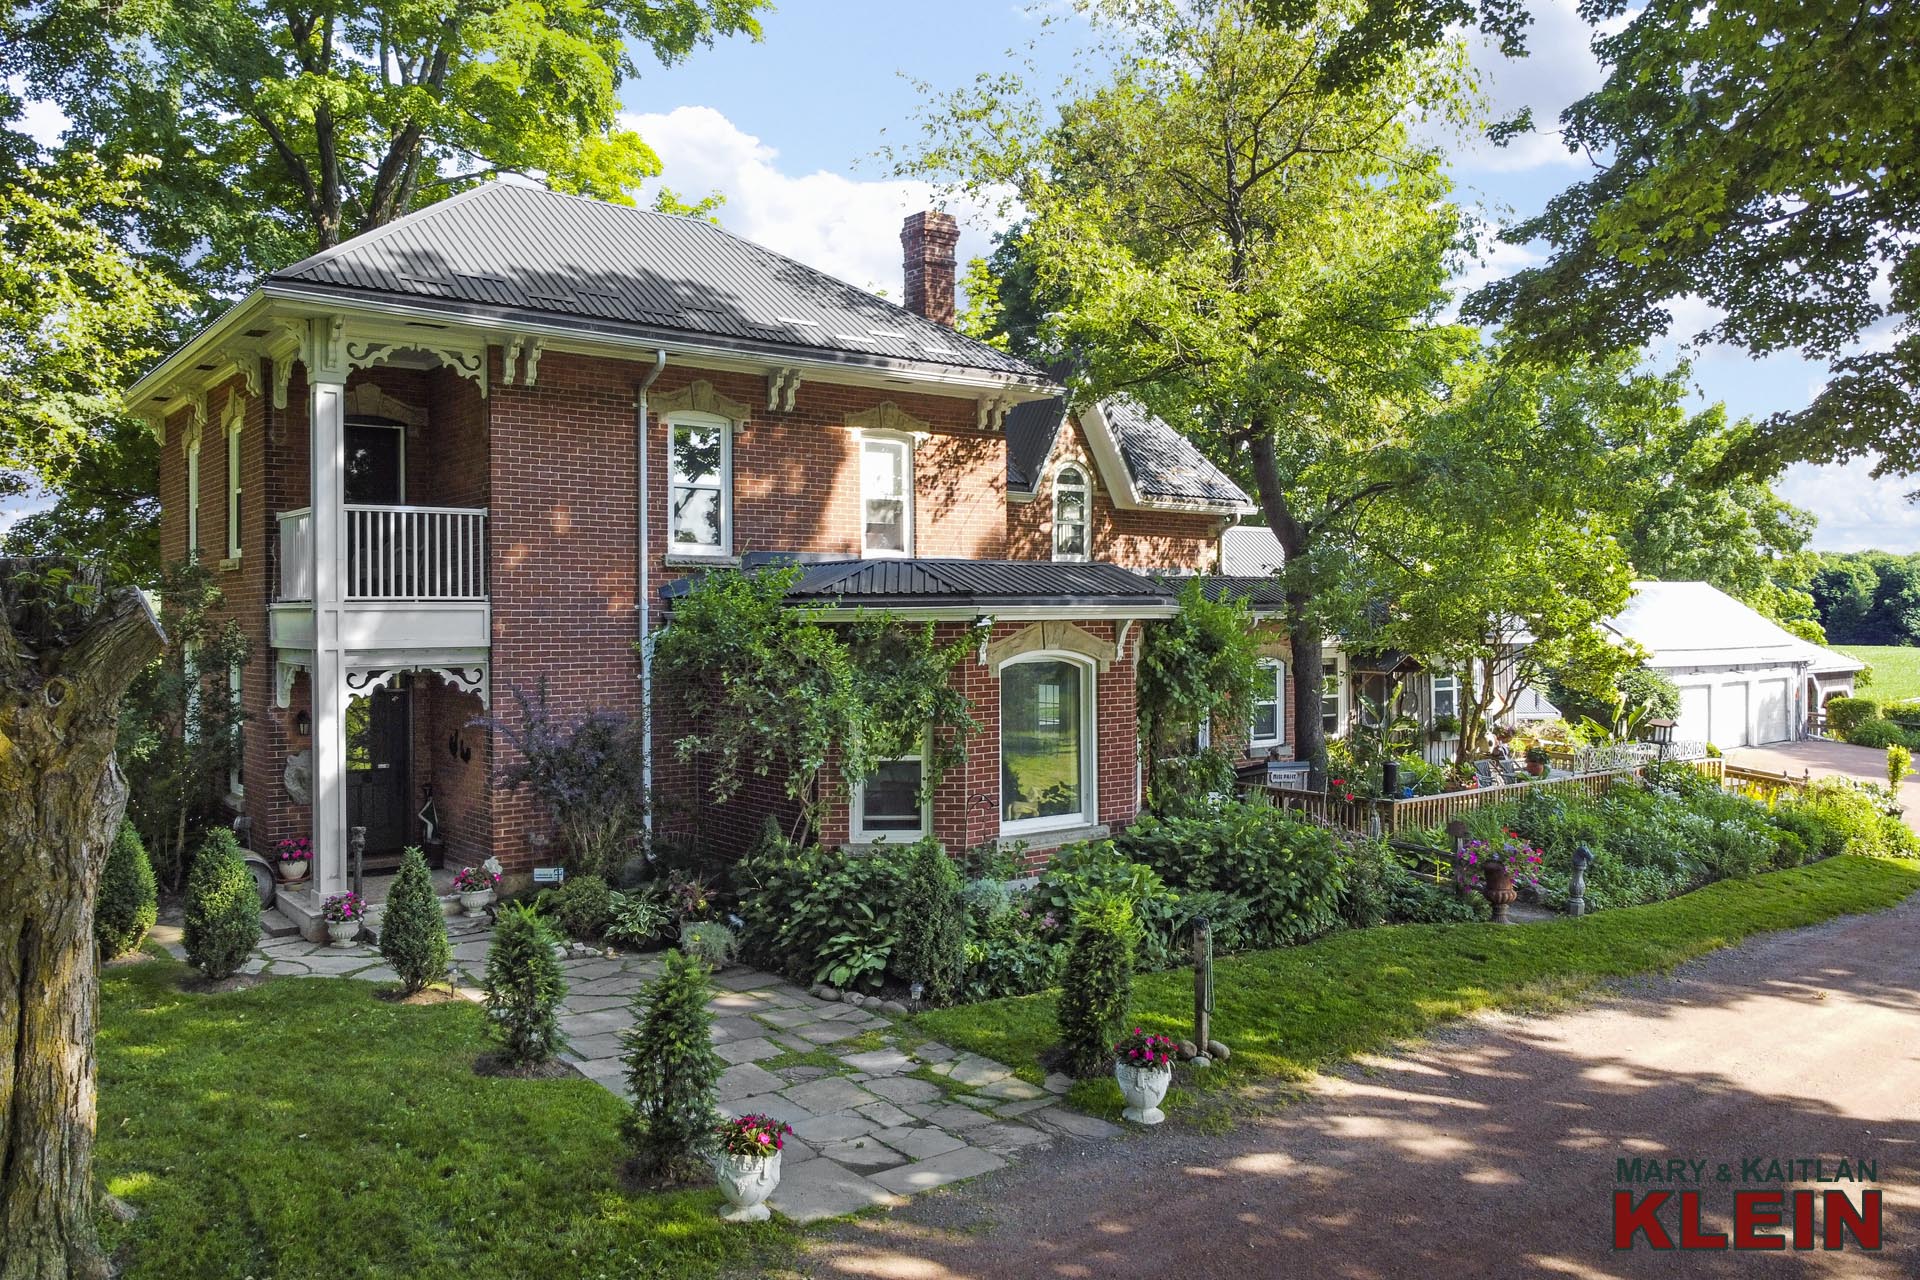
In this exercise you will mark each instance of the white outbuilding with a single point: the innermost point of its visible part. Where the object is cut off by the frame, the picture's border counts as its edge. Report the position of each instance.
(1744, 681)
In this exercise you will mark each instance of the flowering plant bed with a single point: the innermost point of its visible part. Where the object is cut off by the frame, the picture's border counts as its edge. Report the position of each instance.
(752, 1136)
(1513, 855)
(475, 880)
(294, 849)
(343, 908)
(1145, 1051)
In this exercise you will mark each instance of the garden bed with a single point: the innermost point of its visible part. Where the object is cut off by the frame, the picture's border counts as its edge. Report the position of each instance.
(303, 1128)
(1288, 1011)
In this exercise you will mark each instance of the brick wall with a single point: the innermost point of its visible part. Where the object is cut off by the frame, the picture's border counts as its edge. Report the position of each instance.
(1135, 539)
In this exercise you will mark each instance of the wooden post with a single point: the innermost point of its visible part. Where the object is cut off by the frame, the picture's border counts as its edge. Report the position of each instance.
(1202, 988)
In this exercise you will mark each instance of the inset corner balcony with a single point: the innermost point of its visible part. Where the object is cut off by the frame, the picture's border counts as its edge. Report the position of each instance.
(411, 578)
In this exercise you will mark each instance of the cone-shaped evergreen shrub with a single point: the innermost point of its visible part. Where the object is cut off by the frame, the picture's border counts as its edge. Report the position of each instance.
(413, 933)
(223, 907)
(128, 903)
(933, 924)
(672, 1070)
(524, 988)
(1098, 985)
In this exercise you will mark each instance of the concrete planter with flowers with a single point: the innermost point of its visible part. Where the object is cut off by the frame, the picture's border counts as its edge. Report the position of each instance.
(1143, 1068)
(746, 1164)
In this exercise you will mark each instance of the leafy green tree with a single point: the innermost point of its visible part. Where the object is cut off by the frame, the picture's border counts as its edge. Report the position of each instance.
(1196, 668)
(1869, 597)
(1234, 230)
(1759, 157)
(413, 932)
(80, 313)
(281, 130)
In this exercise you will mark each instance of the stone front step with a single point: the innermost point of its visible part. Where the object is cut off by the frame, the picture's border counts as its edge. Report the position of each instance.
(274, 924)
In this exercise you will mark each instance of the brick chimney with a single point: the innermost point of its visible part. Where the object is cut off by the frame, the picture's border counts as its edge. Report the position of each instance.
(926, 242)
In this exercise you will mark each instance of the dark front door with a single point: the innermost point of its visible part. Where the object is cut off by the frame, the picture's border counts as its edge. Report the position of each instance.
(373, 464)
(378, 771)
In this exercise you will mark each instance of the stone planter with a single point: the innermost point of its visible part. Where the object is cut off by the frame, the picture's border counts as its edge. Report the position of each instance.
(291, 872)
(474, 903)
(340, 932)
(1143, 1088)
(1497, 888)
(746, 1181)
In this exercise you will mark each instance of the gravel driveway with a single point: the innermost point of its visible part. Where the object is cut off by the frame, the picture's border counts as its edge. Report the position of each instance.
(1489, 1150)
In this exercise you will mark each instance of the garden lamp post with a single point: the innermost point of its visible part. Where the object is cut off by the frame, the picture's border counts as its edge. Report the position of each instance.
(1660, 733)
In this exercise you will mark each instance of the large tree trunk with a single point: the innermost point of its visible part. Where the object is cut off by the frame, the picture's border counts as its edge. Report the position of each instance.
(1303, 622)
(65, 661)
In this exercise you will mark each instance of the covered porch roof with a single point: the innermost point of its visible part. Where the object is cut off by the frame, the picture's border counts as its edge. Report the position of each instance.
(941, 588)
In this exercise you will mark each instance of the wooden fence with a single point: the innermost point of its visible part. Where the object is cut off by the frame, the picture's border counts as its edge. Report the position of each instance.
(1761, 784)
(1393, 816)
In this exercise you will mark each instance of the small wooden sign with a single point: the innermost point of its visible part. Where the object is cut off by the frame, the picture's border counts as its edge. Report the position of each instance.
(1291, 774)
(549, 875)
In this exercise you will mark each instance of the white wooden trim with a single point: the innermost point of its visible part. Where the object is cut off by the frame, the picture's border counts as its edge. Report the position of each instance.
(711, 421)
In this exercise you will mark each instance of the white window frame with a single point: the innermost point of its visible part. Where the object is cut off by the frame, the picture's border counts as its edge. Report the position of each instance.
(1089, 813)
(236, 783)
(1276, 670)
(1450, 682)
(683, 420)
(190, 679)
(903, 444)
(1339, 663)
(858, 834)
(1084, 487)
(193, 498)
(234, 490)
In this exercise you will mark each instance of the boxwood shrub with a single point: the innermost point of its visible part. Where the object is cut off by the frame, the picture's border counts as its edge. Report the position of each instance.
(128, 901)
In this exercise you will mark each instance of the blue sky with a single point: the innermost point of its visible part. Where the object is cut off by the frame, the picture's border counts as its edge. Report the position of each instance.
(788, 128)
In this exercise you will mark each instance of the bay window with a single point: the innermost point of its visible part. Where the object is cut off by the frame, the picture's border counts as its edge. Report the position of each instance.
(1047, 744)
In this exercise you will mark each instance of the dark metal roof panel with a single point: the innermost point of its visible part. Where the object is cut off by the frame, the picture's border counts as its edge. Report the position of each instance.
(531, 249)
(981, 583)
(1031, 429)
(1162, 462)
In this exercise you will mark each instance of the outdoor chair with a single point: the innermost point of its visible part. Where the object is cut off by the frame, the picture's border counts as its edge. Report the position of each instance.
(1483, 770)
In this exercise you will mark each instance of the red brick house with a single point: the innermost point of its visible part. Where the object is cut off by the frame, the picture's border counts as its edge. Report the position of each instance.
(467, 452)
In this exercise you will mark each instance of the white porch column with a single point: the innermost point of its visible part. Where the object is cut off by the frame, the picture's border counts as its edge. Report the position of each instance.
(327, 430)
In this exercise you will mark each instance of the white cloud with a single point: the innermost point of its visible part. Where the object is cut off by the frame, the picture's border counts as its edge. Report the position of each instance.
(1857, 512)
(1559, 69)
(847, 228)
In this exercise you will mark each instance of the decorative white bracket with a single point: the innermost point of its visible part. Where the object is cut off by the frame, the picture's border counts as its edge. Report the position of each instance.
(992, 412)
(782, 384)
(517, 349)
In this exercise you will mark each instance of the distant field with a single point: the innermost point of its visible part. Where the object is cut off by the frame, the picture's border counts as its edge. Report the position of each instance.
(1896, 670)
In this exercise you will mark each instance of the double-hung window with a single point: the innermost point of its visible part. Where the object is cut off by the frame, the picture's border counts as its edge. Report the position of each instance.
(1333, 700)
(235, 705)
(193, 498)
(1072, 497)
(700, 485)
(233, 492)
(1446, 697)
(1269, 693)
(886, 496)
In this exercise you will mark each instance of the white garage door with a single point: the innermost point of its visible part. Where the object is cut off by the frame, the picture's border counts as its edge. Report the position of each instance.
(1730, 715)
(1696, 714)
(1773, 716)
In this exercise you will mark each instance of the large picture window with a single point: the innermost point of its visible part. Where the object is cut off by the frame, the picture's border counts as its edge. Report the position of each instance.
(1046, 744)
(1071, 498)
(1269, 691)
(700, 498)
(886, 492)
(888, 804)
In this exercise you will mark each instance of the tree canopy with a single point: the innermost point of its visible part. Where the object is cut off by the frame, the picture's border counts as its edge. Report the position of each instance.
(1761, 157)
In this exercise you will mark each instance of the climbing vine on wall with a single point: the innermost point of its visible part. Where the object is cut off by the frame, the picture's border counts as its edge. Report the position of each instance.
(777, 690)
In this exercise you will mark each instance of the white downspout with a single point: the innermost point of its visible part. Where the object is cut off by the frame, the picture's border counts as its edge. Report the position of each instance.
(645, 602)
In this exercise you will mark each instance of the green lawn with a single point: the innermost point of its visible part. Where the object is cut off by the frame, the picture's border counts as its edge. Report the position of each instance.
(1896, 670)
(307, 1129)
(1285, 1012)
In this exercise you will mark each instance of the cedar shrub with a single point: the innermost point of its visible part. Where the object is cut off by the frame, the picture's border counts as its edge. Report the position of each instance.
(222, 924)
(1098, 985)
(524, 988)
(672, 1071)
(933, 924)
(128, 902)
(413, 933)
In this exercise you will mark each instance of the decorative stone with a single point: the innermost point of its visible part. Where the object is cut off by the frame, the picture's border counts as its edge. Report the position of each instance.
(821, 991)
(1187, 1050)
(1219, 1050)
(854, 998)
(893, 1008)
(1200, 1060)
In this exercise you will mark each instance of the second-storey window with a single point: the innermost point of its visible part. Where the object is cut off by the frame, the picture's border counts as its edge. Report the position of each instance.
(233, 493)
(193, 500)
(1333, 701)
(700, 500)
(1070, 503)
(1269, 721)
(886, 496)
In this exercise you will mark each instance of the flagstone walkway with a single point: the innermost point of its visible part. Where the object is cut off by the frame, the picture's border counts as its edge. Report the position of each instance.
(878, 1113)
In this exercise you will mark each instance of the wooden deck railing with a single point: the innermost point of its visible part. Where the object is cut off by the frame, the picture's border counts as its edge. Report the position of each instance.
(1393, 816)
(1763, 784)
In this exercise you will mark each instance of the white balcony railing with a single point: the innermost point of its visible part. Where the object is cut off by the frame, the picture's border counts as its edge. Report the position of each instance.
(394, 553)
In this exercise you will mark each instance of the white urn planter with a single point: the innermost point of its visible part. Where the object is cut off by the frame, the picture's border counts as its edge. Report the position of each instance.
(340, 932)
(474, 903)
(292, 872)
(1143, 1088)
(747, 1181)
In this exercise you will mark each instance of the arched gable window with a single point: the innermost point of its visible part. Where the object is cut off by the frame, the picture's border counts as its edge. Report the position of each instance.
(1072, 502)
